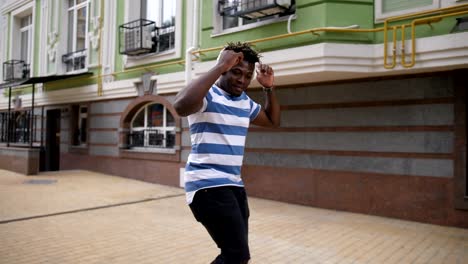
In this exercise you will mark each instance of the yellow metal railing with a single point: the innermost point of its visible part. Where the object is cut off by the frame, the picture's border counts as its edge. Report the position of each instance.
(413, 37)
(439, 14)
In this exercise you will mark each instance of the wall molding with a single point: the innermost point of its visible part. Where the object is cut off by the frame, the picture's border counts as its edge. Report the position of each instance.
(444, 100)
(352, 153)
(308, 64)
(440, 128)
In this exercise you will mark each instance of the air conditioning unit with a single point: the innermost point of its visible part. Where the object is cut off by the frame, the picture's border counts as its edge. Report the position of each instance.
(136, 37)
(14, 70)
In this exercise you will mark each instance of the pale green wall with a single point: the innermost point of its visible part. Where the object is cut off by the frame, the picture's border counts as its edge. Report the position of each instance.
(310, 14)
(120, 20)
(37, 37)
(313, 14)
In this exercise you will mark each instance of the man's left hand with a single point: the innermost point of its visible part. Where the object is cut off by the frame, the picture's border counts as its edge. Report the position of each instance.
(265, 75)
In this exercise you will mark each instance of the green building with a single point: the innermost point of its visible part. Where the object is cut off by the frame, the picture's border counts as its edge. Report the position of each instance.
(373, 95)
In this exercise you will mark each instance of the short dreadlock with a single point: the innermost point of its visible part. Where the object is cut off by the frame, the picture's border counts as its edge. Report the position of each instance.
(250, 55)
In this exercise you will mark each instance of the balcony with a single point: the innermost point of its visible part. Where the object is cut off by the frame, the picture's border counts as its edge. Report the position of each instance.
(75, 61)
(136, 37)
(15, 70)
(254, 9)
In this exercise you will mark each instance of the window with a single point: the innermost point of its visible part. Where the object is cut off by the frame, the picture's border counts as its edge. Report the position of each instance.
(245, 14)
(79, 125)
(152, 127)
(166, 38)
(77, 14)
(163, 12)
(26, 38)
(388, 8)
(21, 38)
(233, 22)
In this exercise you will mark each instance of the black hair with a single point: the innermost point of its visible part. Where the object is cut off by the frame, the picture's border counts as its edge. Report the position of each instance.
(250, 55)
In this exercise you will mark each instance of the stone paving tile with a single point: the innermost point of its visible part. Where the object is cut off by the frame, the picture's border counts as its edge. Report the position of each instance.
(164, 231)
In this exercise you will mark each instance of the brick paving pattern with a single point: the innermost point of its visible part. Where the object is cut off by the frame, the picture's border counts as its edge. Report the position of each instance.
(87, 217)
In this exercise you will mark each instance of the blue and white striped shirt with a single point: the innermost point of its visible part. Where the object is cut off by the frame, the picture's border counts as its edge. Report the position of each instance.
(218, 134)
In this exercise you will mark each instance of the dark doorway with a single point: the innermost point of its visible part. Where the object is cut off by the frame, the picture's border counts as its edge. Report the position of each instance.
(52, 146)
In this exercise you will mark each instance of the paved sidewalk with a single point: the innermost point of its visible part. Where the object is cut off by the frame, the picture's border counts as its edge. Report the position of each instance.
(87, 217)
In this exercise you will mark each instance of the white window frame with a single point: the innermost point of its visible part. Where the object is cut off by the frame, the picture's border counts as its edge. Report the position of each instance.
(28, 29)
(75, 8)
(381, 16)
(218, 22)
(132, 61)
(163, 128)
(15, 34)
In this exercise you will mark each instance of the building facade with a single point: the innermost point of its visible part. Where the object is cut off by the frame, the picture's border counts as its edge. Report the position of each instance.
(373, 95)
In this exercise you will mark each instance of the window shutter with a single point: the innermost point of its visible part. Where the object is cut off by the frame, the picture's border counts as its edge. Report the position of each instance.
(399, 5)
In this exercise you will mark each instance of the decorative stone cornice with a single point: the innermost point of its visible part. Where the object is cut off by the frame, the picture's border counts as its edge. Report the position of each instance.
(12, 5)
(52, 44)
(94, 34)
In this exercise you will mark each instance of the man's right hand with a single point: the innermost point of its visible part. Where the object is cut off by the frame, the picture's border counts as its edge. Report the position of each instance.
(228, 59)
(190, 99)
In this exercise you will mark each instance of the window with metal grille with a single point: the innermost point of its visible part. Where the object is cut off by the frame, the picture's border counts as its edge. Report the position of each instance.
(152, 127)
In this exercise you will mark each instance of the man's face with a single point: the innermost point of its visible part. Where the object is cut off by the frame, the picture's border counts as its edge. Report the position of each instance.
(237, 79)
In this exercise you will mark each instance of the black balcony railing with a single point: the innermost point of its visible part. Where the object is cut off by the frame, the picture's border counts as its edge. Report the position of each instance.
(14, 70)
(75, 61)
(166, 38)
(254, 9)
(15, 127)
(137, 37)
(151, 138)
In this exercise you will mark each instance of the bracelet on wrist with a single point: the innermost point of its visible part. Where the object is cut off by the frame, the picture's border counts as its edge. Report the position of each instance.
(267, 89)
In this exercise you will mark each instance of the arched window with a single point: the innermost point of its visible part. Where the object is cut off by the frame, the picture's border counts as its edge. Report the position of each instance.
(152, 127)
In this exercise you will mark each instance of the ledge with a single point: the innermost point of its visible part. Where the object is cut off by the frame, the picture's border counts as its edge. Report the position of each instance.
(154, 154)
(152, 150)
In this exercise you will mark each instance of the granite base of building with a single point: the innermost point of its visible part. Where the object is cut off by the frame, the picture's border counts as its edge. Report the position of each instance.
(21, 160)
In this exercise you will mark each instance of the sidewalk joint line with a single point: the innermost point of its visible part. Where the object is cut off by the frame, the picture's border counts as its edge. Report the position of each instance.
(89, 209)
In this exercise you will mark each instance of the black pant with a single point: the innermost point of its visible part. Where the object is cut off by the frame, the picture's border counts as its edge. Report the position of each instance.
(224, 211)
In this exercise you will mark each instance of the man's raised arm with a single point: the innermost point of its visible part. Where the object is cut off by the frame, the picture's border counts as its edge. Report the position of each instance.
(190, 99)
